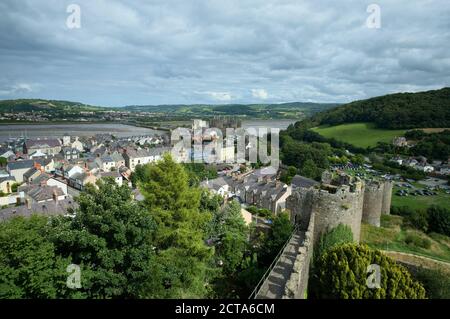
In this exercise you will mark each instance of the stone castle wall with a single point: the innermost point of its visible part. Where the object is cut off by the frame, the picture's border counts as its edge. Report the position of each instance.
(373, 200)
(387, 198)
(297, 284)
(342, 205)
(317, 210)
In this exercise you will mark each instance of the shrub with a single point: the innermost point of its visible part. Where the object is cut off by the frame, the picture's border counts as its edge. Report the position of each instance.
(439, 220)
(342, 274)
(436, 283)
(417, 219)
(339, 235)
(417, 241)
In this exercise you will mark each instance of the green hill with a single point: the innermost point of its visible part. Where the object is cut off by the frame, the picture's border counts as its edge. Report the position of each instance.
(28, 105)
(358, 134)
(394, 111)
(281, 110)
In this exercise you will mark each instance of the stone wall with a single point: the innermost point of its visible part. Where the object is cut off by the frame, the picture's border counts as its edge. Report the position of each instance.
(334, 206)
(387, 197)
(373, 200)
(343, 207)
(297, 284)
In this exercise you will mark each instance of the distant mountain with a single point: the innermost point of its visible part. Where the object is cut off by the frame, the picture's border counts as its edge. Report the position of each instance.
(294, 110)
(28, 105)
(288, 110)
(393, 111)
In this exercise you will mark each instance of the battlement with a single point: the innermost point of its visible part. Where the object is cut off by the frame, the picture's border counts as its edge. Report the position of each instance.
(317, 209)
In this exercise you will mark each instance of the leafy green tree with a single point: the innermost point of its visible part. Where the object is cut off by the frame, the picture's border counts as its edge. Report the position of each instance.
(185, 259)
(287, 175)
(342, 274)
(418, 219)
(137, 175)
(279, 233)
(435, 281)
(198, 172)
(310, 169)
(110, 237)
(3, 161)
(29, 267)
(439, 220)
(210, 202)
(339, 235)
(230, 233)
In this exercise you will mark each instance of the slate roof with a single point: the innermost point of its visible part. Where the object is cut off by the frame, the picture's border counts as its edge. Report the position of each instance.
(303, 182)
(50, 209)
(44, 192)
(7, 178)
(42, 143)
(20, 165)
(30, 172)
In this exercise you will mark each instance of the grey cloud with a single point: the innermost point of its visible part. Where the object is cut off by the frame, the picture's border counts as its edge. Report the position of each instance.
(157, 52)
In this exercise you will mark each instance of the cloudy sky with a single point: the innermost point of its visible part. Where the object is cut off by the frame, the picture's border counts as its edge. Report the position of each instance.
(217, 51)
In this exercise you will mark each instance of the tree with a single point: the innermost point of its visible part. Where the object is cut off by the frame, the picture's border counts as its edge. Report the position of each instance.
(342, 274)
(230, 233)
(309, 169)
(435, 281)
(29, 267)
(287, 175)
(110, 237)
(185, 259)
(279, 233)
(137, 175)
(439, 220)
(339, 235)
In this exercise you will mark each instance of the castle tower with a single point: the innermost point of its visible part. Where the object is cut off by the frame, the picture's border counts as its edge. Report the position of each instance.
(331, 205)
(387, 197)
(373, 199)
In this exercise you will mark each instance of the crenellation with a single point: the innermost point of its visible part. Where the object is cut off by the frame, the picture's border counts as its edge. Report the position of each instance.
(317, 208)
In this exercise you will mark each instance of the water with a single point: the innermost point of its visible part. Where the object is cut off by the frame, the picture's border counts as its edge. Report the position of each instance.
(120, 130)
(58, 130)
(281, 124)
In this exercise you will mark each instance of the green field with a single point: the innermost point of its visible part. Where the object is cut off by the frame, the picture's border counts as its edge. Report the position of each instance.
(358, 134)
(420, 202)
(392, 235)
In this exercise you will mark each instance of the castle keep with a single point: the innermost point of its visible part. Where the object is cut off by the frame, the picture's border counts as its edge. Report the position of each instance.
(317, 208)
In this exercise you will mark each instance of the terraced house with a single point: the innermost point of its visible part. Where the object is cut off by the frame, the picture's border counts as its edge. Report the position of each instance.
(48, 146)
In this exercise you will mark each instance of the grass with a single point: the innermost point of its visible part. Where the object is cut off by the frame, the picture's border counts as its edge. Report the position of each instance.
(420, 202)
(393, 236)
(359, 134)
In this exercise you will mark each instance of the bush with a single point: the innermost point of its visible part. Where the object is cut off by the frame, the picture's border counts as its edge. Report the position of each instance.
(339, 235)
(417, 241)
(436, 283)
(417, 219)
(262, 212)
(342, 274)
(14, 187)
(403, 211)
(439, 220)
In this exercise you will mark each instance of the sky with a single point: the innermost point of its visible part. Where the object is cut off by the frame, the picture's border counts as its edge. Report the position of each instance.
(129, 52)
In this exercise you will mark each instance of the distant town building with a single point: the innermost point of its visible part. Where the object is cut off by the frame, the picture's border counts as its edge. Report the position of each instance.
(400, 141)
(48, 146)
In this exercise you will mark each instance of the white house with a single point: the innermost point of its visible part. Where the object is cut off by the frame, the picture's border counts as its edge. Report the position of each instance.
(57, 183)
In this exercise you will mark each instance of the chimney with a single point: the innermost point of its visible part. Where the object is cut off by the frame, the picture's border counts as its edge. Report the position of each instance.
(55, 196)
(28, 203)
